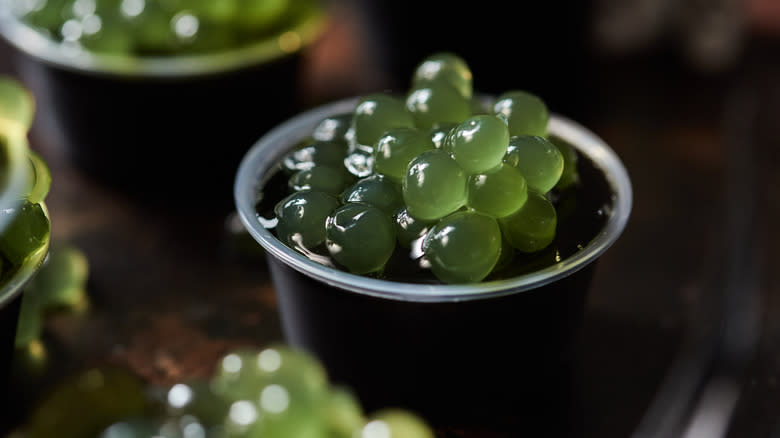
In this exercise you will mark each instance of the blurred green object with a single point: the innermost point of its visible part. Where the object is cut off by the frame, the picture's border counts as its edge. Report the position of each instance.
(85, 404)
(59, 285)
(275, 392)
(39, 178)
(62, 281)
(30, 363)
(342, 412)
(26, 222)
(396, 423)
(17, 106)
(170, 27)
(570, 175)
(196, 399)
(30, 323)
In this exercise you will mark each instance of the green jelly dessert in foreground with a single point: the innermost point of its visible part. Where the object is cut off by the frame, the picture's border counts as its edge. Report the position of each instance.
(454, 195)
(167, 27)
(273, 392)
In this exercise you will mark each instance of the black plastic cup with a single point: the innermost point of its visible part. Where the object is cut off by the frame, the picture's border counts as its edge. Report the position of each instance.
(163, 128)
(486, 353)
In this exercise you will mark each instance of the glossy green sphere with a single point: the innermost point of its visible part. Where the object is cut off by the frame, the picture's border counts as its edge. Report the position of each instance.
(497, 193)
(463, 247)
(524, 112)
(434, 103)
(301, 218)
(396, 148)
(434, 185)
(531, 228)
(360, 237)
(537, 159)
(479, 143)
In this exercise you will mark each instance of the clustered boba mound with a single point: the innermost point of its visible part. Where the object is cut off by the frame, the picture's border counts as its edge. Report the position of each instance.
(438, 185)
(273, 392)
(165, 27)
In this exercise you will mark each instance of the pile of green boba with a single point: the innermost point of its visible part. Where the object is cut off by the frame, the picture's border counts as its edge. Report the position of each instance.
(274, 392)
(27, 229)
(457, 181)
(164, 27)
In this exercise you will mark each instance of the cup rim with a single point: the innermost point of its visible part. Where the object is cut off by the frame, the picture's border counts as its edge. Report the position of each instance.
(18, 173)
(268, 150)
(14, 285)
(268, 49)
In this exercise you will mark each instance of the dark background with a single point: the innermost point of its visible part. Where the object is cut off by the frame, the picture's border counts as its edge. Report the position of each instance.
(681, 331)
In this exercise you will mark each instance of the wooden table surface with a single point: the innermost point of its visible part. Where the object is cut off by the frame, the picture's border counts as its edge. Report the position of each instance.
(170, 292)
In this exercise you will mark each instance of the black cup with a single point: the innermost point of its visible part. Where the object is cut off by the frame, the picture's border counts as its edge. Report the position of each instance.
(166, 128)
(488, 353)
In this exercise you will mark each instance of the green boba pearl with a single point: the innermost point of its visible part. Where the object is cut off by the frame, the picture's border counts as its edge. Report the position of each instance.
(537, 159)
(87, 403)
(301, 218)
(375, 114)
(463, 247)
(259, 14)
(360, 237)
(49, 17)
(342, 413)
(196, 398)
(532, 228)
(273, 392)
(524, 112)
(322, 179)
(434, 185)
(570, 176)
(435, 103)
(377, 191)
(478, 143)
(107, 32)
(222, 11)
(447, 68)
(204, 37)
(108, 41)
(497, 193)
(62, 280)
(506, 257)
(243, 373)
(152, 30)
(277, 413)
(333, 128)
(396, 148)
(26, 233)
